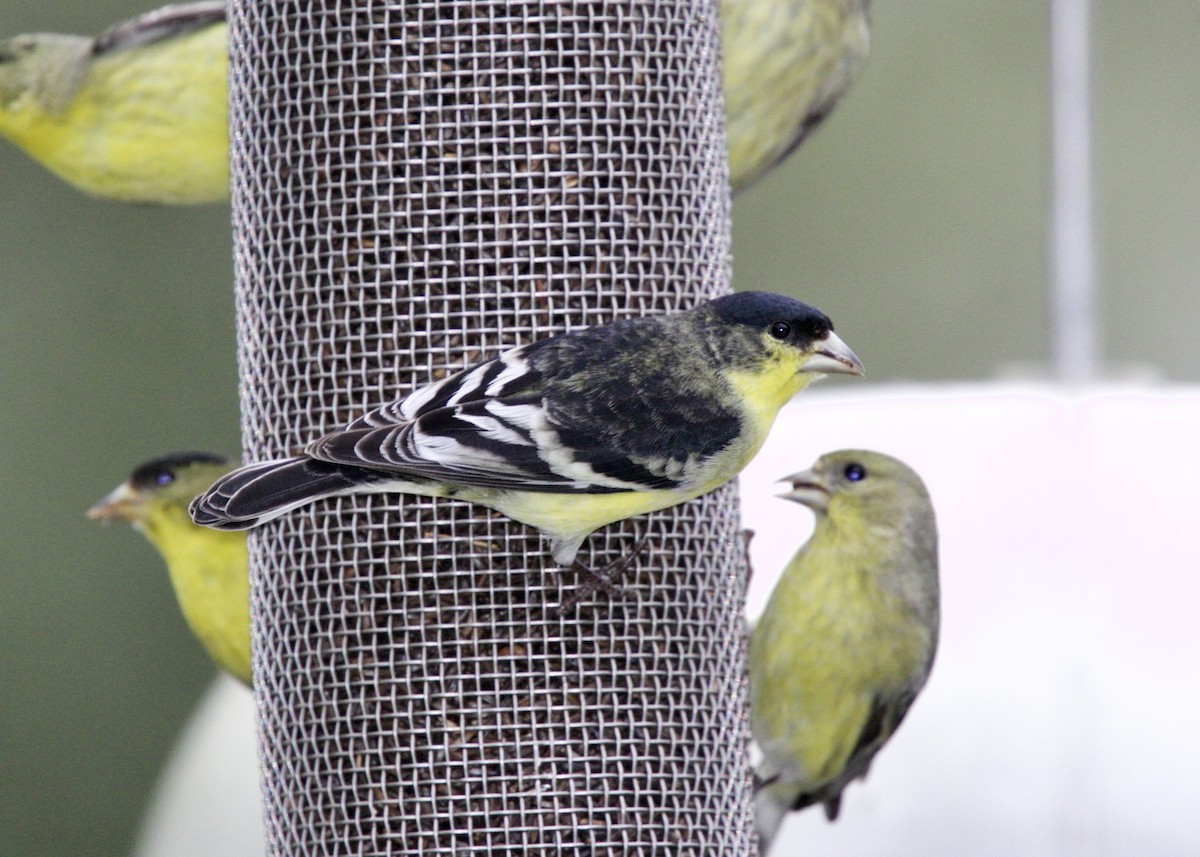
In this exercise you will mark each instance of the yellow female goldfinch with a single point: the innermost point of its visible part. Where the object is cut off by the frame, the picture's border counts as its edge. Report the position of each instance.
(140, 113)
(208, 568)
(848, 636)
(571, 433)
(137, 114)
(786, 64)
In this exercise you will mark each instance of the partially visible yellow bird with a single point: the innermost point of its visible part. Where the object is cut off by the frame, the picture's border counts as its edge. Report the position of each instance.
(848, 635)
(208, 568)
(787, 63)
(138, 114)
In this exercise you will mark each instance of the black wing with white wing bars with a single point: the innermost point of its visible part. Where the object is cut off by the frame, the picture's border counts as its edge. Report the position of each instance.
(560, 415)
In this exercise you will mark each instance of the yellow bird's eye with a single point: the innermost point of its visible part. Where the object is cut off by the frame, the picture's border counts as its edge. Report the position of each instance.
(781, 330)
(855, 472)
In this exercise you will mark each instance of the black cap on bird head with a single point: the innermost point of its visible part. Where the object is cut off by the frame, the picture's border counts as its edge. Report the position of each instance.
(161, 471)
(794, 323)
(758, 309)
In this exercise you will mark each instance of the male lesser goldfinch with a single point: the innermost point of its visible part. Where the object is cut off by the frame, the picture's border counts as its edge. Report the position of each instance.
(137, 114)
(140, 113)
(848, 636)
(787, 62)
(570, 433)
(208, 568)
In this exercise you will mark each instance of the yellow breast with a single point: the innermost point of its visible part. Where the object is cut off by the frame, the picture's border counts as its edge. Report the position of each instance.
(148, 124)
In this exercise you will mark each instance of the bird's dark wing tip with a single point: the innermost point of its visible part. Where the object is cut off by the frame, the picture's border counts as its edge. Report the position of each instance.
(160, 24)
(207, 511)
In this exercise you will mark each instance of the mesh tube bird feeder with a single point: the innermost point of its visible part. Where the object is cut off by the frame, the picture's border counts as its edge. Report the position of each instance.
(418, 185)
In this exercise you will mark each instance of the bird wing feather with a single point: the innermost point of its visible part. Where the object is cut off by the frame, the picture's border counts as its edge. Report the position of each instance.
(882, 720)
(502, 443)
(159, 25)
(537, 418)
(492, 426)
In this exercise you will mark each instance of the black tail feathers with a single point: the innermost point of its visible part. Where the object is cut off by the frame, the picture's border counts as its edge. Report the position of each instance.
(258, 493)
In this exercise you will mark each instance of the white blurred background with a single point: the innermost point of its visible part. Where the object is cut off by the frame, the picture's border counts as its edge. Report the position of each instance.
(1059, 716)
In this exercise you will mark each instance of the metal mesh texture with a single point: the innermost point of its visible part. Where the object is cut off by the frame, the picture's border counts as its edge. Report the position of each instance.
(417, 185)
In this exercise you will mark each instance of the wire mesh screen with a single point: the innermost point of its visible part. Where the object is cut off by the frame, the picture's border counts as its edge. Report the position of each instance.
(416, 186)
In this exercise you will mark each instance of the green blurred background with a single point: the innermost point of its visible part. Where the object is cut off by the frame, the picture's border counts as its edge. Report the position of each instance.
(915, 217)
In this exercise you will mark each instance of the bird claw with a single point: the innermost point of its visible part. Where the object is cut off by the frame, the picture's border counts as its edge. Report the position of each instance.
(601, 579)
(747, 537)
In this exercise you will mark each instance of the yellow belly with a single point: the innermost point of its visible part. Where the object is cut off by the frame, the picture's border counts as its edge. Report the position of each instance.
(147, 125)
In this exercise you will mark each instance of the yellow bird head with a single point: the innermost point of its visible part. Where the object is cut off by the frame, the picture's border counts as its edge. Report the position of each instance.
(159, 486)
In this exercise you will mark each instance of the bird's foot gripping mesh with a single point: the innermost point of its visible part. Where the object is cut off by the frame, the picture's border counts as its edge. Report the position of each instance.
(416, 185)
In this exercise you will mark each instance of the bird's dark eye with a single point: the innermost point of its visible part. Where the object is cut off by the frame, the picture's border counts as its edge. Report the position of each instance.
(781, 330)
(164, 477)
(855, 472)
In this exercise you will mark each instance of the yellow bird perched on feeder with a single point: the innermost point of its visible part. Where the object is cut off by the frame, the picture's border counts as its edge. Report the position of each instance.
(208, 569)
(137, 114)
(847, 639)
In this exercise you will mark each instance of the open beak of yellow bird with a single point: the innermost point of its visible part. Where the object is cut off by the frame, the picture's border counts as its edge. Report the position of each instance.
(121, 504)
(834, 357)
(809, 488)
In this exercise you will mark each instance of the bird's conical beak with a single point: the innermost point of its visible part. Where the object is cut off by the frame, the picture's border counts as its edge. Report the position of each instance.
(121, 504)
(809, 488)
(831, 356)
